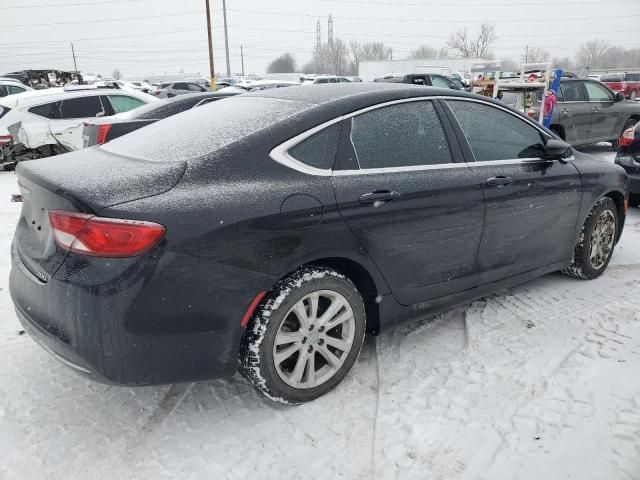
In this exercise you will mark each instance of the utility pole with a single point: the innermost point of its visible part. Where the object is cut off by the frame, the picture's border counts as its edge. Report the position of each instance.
(75, 66)
(318, 36)
(226, 36)
(526, 55)
(212, 72)
(330, 31)
(242, 59)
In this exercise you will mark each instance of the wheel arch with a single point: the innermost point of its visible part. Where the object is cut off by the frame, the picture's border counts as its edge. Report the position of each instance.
(364, 282)
(619, 199)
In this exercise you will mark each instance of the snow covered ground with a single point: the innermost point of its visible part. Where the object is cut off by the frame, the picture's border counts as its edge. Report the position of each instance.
(537, 382)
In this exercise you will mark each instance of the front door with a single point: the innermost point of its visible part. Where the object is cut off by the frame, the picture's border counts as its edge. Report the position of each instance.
(531, 204)
(604, 113)
(417, 212)
(574, 111)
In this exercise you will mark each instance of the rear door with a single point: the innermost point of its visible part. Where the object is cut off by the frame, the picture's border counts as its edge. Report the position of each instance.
(574, 111)
(409, 199)
(604, 113)
(531, 204)
(67, 130)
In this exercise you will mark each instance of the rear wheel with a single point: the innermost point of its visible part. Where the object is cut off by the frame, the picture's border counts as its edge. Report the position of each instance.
(596, 241)
(633, 95)
(305, 337)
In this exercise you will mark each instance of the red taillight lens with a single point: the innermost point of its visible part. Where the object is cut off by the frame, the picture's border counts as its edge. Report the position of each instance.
(628, 137)
(102, 132)
(531, 113)
(5, 139)
(103, 237)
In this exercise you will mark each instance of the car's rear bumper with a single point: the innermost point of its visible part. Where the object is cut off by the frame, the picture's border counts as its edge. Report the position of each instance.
(148, 324)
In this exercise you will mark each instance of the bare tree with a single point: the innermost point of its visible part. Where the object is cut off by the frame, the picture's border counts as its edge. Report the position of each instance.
(508, 65)
(564, 63)
(331, 58)
(116, 74)
(593, 54)
(424, 51)
(285, 63)
(477, 46)
(537, 55)
(368, 52)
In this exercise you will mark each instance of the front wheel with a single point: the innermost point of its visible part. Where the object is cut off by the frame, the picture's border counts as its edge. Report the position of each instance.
(305, 337)
(596, 241)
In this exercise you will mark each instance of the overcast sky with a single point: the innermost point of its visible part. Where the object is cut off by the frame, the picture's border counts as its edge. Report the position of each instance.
(145, 37)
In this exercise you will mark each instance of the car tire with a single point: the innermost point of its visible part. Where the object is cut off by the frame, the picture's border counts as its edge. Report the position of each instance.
(632, 95)
(294, 330)
(615, 144)
(596, 242)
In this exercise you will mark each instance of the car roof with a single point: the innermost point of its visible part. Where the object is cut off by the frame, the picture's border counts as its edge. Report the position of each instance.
(354, 92)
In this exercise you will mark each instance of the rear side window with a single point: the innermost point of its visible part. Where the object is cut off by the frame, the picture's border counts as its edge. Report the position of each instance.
(573, 92)
(180, 86)
(13, 89)
(194, 88)
(494, 134)
(319, 150)
(48, 110)
(203, 130)
(83, 107)
(404, 135)
(124, 103)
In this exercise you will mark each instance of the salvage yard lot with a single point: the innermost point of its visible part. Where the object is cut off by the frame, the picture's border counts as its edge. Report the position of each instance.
(535, 382)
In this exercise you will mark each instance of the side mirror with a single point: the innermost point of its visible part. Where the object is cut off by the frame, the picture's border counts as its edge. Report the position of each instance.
(619, 97)
(556, 149)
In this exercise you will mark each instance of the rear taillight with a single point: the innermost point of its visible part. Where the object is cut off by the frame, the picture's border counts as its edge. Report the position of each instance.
(103, 237)
(628, 137)
(5, 139)
(531, 113)
(102, 132)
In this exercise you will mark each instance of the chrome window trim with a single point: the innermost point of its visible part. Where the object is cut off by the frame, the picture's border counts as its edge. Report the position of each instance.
(280, 153)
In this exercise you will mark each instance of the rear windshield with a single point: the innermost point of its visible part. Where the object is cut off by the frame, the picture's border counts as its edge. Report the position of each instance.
(203, 130)
(611, 77)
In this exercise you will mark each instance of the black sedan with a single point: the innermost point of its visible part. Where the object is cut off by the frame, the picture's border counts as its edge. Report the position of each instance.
(102, 130)
(269, 231)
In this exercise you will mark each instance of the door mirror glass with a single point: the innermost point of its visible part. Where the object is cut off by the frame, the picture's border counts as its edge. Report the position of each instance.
(556, 149)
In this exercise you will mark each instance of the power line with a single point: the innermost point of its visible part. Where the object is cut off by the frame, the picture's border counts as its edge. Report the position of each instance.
(101, 21)
(92, 4)
(483, 4)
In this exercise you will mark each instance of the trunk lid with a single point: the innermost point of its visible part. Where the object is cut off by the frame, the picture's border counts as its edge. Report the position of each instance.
(86, 181)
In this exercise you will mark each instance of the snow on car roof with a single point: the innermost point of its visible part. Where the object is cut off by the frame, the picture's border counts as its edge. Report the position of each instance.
(37, 96)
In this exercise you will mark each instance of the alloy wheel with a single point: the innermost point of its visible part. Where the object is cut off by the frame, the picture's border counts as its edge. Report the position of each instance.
(602, 239)
(314, 339)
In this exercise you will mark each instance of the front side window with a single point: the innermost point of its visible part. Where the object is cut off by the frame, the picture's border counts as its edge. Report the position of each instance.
(82, 107)
(440, 82)
(124, 103)
(194, 88)
(319, 150)
(597, 93)
(573, 92)
(13, 89)
(404, 135)
(494, 134)
(180, 86)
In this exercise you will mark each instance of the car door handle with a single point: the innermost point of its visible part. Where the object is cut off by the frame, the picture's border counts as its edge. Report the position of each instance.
(564, 110)
(595, 109)
(499, 181)
(379, 196)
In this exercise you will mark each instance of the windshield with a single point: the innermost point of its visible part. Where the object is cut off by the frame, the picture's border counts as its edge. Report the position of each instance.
(611, 77)
(202, 130)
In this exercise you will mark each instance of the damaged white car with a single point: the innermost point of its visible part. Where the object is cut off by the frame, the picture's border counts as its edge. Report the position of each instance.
(40, 123)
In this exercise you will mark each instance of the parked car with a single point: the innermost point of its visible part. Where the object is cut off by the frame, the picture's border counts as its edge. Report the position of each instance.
(628, 157)
(427, 79)
(12, 87)
(242, 87)
(171, 89)
(589, 112)
(626, 83)
(33, 124)
(325, 79)
(277, 227)
(102, 130)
